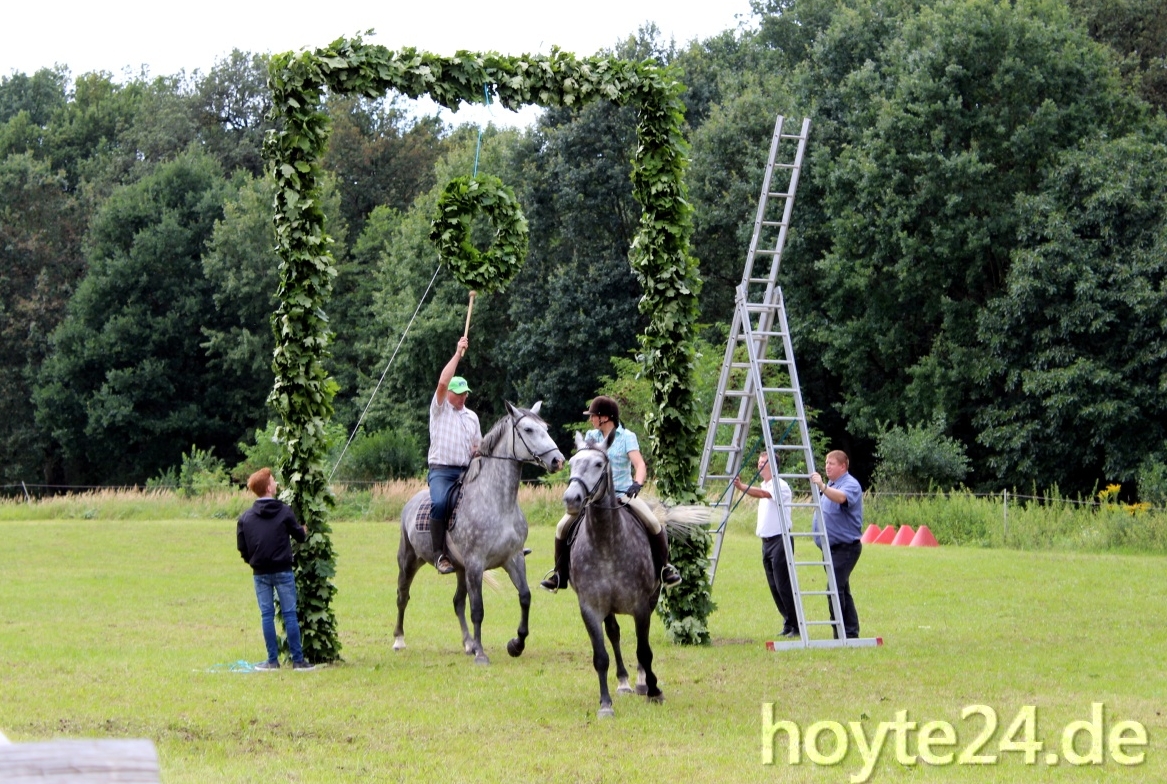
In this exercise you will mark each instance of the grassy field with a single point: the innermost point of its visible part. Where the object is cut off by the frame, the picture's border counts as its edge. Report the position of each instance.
(125, 628)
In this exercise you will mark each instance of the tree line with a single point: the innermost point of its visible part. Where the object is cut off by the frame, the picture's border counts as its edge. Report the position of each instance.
(977, 258)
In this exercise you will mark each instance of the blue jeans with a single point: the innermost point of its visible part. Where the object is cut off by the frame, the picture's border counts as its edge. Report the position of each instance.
(442, 480)
(267, 587)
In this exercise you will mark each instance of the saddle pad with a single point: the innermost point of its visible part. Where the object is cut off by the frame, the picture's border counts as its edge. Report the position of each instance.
(421, 521)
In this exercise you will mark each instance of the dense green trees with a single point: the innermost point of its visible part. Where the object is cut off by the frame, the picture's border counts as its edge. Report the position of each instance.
(1077, 341)
(978, 241)
(126, 388)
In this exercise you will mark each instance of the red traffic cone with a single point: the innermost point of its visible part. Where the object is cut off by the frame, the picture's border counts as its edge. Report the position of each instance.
(870, 534)
(903, 536)
(888, 534)
(924, 538)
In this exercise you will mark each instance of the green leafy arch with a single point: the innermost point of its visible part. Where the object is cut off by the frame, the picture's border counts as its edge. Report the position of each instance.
(659, 256)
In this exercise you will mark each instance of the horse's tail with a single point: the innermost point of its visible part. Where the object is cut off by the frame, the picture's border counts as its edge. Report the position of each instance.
(683, 520)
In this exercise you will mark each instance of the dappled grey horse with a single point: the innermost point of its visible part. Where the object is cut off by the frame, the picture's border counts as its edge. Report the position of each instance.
(611, 570)
(488, 529)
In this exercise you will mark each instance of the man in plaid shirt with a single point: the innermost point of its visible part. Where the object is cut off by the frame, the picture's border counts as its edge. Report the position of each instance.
(454, 438)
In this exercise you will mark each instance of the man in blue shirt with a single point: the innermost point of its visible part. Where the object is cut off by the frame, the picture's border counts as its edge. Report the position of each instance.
(842, 517)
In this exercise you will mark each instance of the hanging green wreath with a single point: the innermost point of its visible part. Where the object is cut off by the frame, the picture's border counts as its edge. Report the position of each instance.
(462, 199)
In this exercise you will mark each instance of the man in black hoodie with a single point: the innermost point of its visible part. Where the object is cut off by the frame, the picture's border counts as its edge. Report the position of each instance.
(263, 538)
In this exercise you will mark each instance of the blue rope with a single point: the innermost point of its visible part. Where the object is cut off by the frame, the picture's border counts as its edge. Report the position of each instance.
(236, 666)
(478, 149)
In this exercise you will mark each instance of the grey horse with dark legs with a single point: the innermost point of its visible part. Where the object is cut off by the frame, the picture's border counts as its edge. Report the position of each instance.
(611, 570)
(489, 530)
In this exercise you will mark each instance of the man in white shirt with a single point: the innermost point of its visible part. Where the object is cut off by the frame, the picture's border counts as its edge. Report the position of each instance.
(773, 514)
(454, 438)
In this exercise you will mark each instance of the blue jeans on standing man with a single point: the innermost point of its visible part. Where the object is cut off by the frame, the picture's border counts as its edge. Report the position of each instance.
(267, 587)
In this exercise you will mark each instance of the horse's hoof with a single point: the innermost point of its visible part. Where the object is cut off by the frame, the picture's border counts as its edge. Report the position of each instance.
(624, 688)
(515, 647)
(399, 643)
(642, 689)
(657, 699)
(605, 712)
(481, 659)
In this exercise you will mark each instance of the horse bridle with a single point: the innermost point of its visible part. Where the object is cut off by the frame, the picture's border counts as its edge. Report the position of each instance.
(536, 457)
(592, 493)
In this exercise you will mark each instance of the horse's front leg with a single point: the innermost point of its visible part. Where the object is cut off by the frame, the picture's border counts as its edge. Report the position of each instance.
(592, 623)
(460, 611)
(407, 565)
(516, 567)
(613, 630)
(474, 586)
(644, 658)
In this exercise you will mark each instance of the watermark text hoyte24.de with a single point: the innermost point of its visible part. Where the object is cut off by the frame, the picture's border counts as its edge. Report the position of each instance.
(826, 743)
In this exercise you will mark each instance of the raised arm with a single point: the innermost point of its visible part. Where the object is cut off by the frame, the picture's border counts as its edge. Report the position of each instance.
(450, 370)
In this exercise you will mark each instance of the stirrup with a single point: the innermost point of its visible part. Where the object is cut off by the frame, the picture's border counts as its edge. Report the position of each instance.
(442, 558)
(669, 576)
(546, 584)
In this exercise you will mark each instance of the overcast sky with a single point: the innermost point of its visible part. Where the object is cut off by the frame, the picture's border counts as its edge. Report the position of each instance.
(116, 35)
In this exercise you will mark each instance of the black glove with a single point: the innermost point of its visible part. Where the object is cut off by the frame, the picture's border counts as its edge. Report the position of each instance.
(633, 489)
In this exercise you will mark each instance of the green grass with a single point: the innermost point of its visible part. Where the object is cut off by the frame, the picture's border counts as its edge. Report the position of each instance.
(111, 628)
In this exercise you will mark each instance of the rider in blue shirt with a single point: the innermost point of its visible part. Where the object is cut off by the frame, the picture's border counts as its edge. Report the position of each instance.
(628, 475)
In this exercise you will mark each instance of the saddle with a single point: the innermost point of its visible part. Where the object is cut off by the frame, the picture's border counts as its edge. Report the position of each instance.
(421, 521)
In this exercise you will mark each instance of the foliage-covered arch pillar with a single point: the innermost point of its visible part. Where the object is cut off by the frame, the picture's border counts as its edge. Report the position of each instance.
(659, 257)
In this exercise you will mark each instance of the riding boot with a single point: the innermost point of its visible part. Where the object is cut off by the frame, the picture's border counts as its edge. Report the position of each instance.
(438, 540)
(558, 577)
(659, 544)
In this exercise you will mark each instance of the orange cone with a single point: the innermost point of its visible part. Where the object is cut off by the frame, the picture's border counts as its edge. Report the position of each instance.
(903, 537)
(888, 534)
(870, 534)
(924, 538)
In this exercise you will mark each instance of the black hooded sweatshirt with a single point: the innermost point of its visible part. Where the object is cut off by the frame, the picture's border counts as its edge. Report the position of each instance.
(263, 533)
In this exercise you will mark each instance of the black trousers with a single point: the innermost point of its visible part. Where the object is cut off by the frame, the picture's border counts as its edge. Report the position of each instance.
(778, 577)
(844, 557)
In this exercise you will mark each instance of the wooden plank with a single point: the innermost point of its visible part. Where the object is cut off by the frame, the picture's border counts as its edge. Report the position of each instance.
(80, 762)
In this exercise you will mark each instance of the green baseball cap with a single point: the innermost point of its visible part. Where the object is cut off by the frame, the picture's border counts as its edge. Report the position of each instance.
(458, 385)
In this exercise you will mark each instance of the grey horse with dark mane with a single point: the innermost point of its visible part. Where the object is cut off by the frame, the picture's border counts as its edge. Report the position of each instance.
(611, 570)
(488, 529)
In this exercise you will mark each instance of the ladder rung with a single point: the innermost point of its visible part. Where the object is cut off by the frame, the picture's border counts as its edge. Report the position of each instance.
(727, 449)
(747, 365)
(777, 195)
(782, 390)
(818, 593)
(774, 223)
(787, 165)
(810, 563)
(732, 422)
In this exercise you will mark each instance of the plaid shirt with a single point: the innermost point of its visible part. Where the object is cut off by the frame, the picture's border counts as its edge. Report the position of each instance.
(624, 442)
(454, 434)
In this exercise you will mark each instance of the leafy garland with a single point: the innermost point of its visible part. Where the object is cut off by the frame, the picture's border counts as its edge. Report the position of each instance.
(659, 256)
(462, 199)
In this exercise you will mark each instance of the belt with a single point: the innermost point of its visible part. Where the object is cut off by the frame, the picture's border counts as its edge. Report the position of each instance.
(455, 467)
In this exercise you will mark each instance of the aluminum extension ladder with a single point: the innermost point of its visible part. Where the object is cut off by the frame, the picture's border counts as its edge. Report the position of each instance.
(759, 374)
